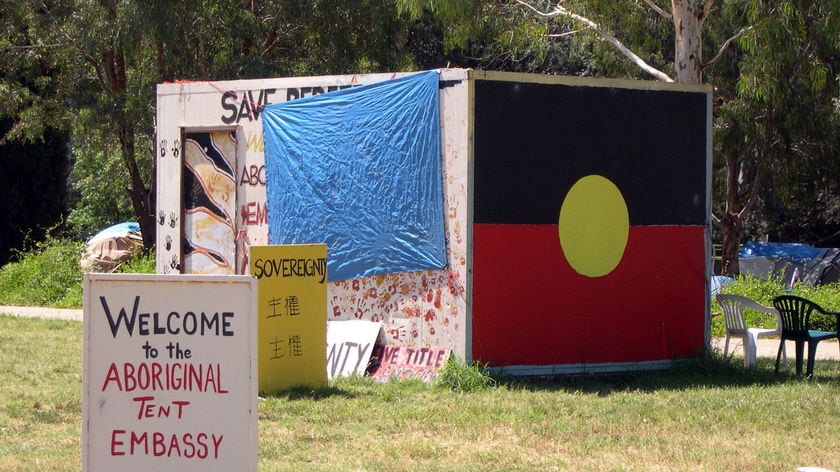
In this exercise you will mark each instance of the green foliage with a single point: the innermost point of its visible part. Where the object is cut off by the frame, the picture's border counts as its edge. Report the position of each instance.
(140, 263)
(491, 35)
(460, 376)
(777, 86)
(99, 182)
(46, 275)
(461, 21)
(49, 274)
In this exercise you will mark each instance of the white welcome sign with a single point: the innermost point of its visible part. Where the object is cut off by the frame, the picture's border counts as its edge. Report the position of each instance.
(169, 378)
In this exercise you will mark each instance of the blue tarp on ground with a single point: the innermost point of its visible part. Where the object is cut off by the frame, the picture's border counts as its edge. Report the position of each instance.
(360, 170)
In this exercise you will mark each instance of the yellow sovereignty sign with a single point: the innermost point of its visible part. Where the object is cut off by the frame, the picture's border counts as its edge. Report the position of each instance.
(292, 309)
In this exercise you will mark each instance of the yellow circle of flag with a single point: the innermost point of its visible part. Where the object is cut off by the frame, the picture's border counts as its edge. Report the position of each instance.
(594, 226)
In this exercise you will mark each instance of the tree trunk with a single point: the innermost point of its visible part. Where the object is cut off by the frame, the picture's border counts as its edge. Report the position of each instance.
(688, 44)
(738, 199)
(116, 80)
(740, 196)
(731, 225)
(138, 191)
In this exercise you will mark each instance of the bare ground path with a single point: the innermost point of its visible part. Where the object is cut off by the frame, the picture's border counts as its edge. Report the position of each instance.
(42, 312)
(769, 347)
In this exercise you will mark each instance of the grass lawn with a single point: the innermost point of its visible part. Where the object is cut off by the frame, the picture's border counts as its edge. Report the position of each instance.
(701, 415)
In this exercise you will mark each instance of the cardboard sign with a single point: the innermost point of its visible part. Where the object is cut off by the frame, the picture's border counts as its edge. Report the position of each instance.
(169, 377)
(349, 346)
(292, 281)
(402, 362)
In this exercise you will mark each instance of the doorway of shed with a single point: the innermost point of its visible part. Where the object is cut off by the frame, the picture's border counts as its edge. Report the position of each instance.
(209, 202)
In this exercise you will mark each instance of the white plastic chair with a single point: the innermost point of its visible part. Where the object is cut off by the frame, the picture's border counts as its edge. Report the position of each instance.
(733, 307)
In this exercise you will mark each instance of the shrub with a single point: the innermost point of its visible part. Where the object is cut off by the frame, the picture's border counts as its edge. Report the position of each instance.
(46, 275)
(140, 263)
(460, 376)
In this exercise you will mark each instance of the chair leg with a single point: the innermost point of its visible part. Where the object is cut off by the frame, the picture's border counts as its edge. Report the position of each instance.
(784, 354)
(800, 352)
(779, 354)
(749, 350)
(726, 346)
(812, 352)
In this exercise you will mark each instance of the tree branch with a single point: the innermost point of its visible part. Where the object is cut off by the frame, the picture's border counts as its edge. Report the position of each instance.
(560, 10)
(724, 47)
(34, 47)
(707, 9)
(658, 9)
(567, 33)
(87, 56)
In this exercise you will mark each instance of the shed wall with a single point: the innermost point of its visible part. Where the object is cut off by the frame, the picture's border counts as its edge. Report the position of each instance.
(424, 308)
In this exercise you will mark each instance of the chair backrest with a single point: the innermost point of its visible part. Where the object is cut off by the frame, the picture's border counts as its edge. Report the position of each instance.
(795, 313)
(732, 307)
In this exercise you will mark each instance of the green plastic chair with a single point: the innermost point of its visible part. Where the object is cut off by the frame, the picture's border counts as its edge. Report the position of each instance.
(795, 313)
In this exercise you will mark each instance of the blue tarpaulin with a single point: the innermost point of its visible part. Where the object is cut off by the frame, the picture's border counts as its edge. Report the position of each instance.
(360, 170)
(796, 252)
(117, 231)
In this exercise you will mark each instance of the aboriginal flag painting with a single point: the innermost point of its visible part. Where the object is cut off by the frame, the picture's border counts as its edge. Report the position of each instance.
(209, 198)
(590, 216)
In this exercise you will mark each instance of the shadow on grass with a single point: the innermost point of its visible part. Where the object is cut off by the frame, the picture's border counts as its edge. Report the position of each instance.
(316, 394)
(351, 387)
(702, 373)
(712, 372)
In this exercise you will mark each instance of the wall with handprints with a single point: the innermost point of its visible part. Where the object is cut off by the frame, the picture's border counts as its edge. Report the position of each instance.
(424, 308)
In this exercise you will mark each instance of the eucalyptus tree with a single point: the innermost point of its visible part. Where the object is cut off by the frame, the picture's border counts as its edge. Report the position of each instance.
(87, 84)
(777, 130)
(101, 59)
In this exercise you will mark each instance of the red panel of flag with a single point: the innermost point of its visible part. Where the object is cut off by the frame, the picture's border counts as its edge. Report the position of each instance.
(531, 308)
